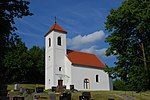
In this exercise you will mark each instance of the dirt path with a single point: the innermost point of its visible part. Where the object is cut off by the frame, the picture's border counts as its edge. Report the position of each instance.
(124, 96)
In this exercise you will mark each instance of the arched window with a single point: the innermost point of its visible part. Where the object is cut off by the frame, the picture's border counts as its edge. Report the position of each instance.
(59, 40)
(97, 78)
(86, 84)
(49, 42)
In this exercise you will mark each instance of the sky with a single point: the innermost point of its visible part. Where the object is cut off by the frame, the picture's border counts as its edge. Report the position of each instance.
(82, 19)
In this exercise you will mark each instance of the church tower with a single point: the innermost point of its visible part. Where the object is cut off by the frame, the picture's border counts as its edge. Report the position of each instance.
(55, 52)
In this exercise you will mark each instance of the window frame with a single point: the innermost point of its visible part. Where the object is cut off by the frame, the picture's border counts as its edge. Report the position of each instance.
(86, 83)
(97, 78)
(49, 42)
(59, 41)
(60, 69)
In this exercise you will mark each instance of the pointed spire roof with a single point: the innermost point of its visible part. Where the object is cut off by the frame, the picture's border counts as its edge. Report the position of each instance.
(56, 27)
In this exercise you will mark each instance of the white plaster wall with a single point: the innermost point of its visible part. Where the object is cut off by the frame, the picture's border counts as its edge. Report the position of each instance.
(57, 58)
(68, 72)
(49, 78)
(79, 73)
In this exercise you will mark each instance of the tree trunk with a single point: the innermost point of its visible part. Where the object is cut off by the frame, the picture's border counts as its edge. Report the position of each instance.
(144, 58)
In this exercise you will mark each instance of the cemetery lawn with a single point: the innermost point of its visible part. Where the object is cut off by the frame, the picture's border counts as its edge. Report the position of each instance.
(29, 86)
(95, 95)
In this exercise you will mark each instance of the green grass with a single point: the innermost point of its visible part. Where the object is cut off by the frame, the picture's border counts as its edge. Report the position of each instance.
(96, 95)
(104, 95)
(29, 86)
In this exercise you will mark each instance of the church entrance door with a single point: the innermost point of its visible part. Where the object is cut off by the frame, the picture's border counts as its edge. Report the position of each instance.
(60, 82)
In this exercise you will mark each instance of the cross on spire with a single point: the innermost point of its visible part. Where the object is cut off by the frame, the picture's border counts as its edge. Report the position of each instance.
(55, 19)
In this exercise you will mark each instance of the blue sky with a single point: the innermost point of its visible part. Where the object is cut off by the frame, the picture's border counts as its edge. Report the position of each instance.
(82, 19)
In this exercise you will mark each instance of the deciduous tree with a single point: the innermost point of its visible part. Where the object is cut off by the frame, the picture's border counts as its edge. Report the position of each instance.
(16, 62)
(36, 73)
(130, 42)
(9, 10)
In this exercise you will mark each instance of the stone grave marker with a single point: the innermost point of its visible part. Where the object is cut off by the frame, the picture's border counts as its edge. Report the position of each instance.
(18, 98)
(39, 89)
(16, 87)
(52, 96)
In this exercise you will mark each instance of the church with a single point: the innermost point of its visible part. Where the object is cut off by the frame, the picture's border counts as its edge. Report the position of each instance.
(85, 71)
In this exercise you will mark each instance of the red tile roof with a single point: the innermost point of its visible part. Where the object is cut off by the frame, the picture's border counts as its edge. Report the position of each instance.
(56, 27)
(86, 59)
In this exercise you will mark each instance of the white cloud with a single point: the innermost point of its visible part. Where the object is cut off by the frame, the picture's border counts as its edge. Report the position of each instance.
(102, 51)
(95, 50)
(89, 50)
(79, 40)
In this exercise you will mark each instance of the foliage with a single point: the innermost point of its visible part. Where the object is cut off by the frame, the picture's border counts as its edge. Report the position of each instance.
(9, 10)
(23, 65)
(16, 61)
(119, 85)
(36, 73)
(130, 43)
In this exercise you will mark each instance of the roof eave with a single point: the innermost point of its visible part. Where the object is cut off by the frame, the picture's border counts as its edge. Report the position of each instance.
(89, 66)
(54, 30)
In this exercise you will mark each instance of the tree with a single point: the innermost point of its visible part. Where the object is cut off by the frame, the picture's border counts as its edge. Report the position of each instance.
(9, 10)
(16, 62)
(130, 42)
(119, 85)
(23, 65)
(36, 72)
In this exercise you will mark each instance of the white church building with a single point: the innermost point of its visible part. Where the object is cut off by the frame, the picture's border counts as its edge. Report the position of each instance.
(69, 67)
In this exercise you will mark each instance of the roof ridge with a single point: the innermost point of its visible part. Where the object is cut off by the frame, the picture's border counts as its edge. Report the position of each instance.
(82, 52)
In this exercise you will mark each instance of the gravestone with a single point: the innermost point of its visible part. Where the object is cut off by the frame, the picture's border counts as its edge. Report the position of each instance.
(36, 96)
(52, 96)
(30, 91)
(22, 90)
(53, 89)
(65, 96)
(81, 98)
(86, 94)
(71, 87)
(17, 87)
(39, 89)
(60, 89)
(18, 98)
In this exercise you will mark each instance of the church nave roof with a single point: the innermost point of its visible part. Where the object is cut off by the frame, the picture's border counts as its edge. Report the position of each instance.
(86, 59)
